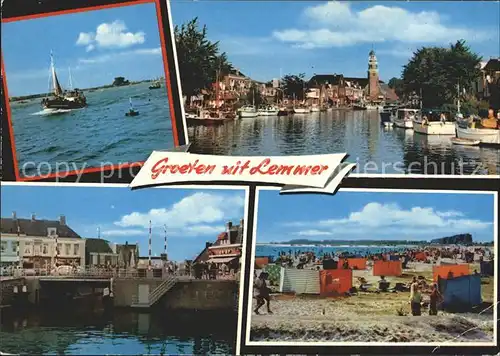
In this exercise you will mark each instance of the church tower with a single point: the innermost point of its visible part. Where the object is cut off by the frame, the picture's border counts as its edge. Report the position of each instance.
(373, 85)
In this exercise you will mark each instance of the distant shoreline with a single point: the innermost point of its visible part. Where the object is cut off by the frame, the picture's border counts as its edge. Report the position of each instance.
(42, 95)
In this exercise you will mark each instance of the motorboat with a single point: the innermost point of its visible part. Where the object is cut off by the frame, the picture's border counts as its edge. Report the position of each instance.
(301, 110)
(403, 118)
(432, 122)
(131, 110)
(464, 141)
(483, 135)
(386, 112)
(206, 117)
(268, 111)
(248, 111)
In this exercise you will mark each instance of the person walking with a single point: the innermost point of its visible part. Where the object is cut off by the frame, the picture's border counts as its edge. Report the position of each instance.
(262, 293)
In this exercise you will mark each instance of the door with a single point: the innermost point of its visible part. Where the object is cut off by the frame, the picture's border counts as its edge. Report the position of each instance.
(143, 293)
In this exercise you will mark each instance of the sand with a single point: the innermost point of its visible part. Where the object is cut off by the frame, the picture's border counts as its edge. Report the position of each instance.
(371, 317)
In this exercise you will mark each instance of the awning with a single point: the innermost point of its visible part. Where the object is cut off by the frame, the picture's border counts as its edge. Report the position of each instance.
(221, 260)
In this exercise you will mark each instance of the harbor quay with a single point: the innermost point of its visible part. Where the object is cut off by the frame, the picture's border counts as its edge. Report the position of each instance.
(108, 291)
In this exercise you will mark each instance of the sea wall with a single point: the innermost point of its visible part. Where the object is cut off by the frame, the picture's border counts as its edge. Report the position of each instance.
(7, 289)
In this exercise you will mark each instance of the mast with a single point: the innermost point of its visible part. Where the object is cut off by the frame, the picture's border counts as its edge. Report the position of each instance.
(458, 96)
(149, 246)
(421, 99)
(70, 79)
(217, 89)
(55, 82)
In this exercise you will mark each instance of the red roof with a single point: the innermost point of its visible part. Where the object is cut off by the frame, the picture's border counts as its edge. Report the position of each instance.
(222, 236)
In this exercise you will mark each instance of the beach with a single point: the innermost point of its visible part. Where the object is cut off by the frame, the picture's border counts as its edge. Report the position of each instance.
(373, 317)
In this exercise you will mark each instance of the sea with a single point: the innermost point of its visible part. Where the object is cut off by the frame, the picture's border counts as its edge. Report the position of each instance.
(274, 250)
(97, 135)
(373, 147)
(124, 333)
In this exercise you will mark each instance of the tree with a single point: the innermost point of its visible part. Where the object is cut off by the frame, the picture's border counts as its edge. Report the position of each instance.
(198, 58)
(396, 84)
(435, 72)
(294, 85)
(119, 81)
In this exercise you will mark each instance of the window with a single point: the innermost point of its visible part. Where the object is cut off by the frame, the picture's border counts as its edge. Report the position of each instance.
(76, 249)
(27, 248)
(59, 249)
(4, 246)
(51, 231)
(37, 249)
(45, 249)
(67, 249)
(14, 245)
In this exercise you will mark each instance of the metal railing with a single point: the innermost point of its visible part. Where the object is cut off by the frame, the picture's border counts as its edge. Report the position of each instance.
(163, 288)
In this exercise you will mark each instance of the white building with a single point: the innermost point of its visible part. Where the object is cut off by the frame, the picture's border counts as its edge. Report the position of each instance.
(37, 241)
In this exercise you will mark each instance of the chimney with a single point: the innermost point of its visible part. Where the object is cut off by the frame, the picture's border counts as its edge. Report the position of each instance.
(229, 225)
(208, 244)
(62, 220)
(14, 215)
(33, 217)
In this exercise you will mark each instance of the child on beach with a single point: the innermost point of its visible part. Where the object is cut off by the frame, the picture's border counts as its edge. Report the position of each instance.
(262, 293)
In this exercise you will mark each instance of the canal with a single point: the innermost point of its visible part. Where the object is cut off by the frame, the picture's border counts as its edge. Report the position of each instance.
(373, 147)
(123, 332)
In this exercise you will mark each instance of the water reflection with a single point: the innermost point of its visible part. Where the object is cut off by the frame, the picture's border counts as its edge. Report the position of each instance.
(125, 332)
(373, 147)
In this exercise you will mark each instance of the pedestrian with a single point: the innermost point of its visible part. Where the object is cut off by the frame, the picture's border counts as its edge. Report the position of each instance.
(262, 293)
(416, 299)
(435, 298)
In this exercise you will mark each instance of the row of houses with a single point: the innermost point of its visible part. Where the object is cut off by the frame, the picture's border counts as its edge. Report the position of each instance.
(335, 88)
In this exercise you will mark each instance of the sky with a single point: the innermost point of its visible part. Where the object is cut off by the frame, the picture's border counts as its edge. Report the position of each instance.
(192, 216)
(265, 39)
(97, 45)
(373, 216)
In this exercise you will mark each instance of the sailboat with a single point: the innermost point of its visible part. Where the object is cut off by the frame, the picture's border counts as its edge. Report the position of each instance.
(131, 110)
(65, 100)
(249, 111)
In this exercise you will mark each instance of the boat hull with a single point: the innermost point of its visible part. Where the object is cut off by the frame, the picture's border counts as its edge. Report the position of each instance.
(403, 124)
(63, 104)
(434, 128)
(206, 122)
(268, 113)
(315, 109)
(301, 111)
(485, 136)
(248, 114)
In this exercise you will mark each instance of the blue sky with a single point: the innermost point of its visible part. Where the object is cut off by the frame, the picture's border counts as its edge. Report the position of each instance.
(262, 37)
(373, 216)
(192, 216)
(97, 45)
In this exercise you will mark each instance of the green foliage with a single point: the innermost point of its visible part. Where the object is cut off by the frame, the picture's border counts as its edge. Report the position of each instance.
(436, 71)
(294, 85)
(199, 59)
(254, 96)
(119, 81)
(397, 85)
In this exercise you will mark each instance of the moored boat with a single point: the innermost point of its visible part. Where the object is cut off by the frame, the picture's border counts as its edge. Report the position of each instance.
(268, 111)
(206, 117)
(432, 123)
(484, 136)
(315, 109)
(464, 141)
(387, 111)
(301, 110)
(248, 111)
(403, 118)
(156, 85)
(359, 107)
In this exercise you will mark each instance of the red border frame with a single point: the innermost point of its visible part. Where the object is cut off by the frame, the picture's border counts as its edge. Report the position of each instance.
(167, 79)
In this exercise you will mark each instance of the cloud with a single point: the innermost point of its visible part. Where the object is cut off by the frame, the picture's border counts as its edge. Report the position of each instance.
(385, 220)
(313, 233)
(110, 35)
(193, 215)
(336, 24)
(123, 54)
(118, 233)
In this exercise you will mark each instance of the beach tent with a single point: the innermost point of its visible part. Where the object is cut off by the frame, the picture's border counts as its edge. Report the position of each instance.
(460, 293)
(443, 271)
(335, 282)
(487, 268)
(420, 256)
(357, 263)
(387, 268)
(261, 261)
(274, 272)
(299, 281)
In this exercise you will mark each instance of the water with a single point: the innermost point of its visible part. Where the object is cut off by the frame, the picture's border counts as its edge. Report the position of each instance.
(359, 133)
(96, 135)
(276, 250)
(125, 333)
